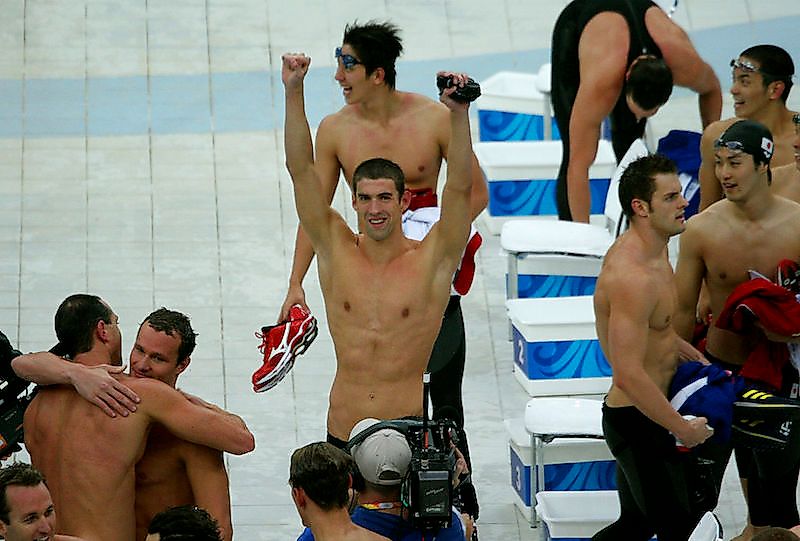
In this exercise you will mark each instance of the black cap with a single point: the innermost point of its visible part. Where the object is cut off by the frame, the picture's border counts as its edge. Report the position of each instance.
(750, 137)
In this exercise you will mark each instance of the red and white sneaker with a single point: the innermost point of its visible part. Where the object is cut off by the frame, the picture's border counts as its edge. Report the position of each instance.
(280, 344)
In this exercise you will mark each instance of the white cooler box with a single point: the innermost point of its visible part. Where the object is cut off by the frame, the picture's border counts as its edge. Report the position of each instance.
(576, 515)
(570, 464)
(522, 179)
(556, 351)
(511, 108)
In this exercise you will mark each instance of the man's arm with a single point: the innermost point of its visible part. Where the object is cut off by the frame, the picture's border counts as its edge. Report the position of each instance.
(193, 419)
(94, 383)
(602, 74)
(631, 305)
(327, 167)
(208, 478)
(688, 69)
(453, 227)
(710, 189)
(479, 195)
(689, 274)
(312, 208)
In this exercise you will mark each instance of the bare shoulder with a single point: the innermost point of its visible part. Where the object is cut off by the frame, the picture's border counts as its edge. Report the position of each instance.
(715, 129)
(624, 271)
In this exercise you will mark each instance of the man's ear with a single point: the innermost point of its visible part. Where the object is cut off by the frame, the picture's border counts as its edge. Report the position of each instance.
(299, 497)
(405, 200)
(378, 76)
(184, 364)
(776, 89)
(3, 529)
(640, 208)
(101, 331)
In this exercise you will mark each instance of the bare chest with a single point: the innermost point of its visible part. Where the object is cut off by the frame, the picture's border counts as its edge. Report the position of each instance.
(736, 252)
(414, 149)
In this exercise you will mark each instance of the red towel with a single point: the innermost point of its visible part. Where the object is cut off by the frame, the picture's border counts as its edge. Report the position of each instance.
(777, 310)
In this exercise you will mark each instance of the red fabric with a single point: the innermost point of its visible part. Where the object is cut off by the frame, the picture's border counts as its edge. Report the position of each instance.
(423, 197)
(466, 271)
(777, 310)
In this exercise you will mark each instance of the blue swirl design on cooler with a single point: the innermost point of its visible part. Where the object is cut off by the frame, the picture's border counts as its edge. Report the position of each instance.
(509, 126)
(551, 285)
(537, 197)
(596, 475)
(566, 359)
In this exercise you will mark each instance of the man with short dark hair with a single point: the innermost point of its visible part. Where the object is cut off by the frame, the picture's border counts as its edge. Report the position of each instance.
(172, 471)
(320, 475)
(751, 229)
(634, 304)
(183, 523)
(383, 324)
(27, 512)
(92, 474)
(762, 79)
(412, 131)
(616, 58)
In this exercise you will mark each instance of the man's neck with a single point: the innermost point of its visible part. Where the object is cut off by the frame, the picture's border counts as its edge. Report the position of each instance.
(380, 106)
(757, 206)
(94, 357)
(775, 116)
(383, 251)
(652, 242)
(372, 500)
(330, 525)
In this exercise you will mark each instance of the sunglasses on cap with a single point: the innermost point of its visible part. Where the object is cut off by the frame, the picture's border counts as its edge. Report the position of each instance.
(348, 61)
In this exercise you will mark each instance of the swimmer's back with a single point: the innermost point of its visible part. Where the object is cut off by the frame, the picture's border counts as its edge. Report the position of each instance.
(87, 458)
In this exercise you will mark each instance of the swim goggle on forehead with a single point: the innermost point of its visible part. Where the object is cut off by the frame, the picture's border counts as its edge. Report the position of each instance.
(348, 61)
(746, 65)
(796, 120)
(733, 146)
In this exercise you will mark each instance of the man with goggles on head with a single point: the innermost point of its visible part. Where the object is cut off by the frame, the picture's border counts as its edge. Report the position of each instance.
(617, 59)
(762, 79)
(413, 131)
(752, 229)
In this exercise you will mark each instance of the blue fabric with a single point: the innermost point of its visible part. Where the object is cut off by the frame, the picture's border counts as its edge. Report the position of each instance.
(683, 147)
(713, 401)
(395, 528)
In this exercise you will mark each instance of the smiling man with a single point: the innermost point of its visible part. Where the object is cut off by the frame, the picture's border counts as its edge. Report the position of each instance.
(384, 293)
(761, 82)
(751, 229)
(27, 512)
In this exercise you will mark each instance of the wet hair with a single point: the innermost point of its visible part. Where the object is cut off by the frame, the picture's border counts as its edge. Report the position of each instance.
(639, 180)
(75, 322)
(774, 64)
(171, 323)
(376, 168)
(185, 523)
(649, 83)
(17, 474)
(775, 534)
(323, 472)
(377, 45)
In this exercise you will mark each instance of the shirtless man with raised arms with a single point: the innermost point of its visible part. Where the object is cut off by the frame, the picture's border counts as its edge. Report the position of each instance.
(384, 294)
(89, 457)
(634, 304)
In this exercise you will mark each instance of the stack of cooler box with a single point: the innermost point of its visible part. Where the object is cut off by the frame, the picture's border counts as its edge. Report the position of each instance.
(520, 162)
(556, 352)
